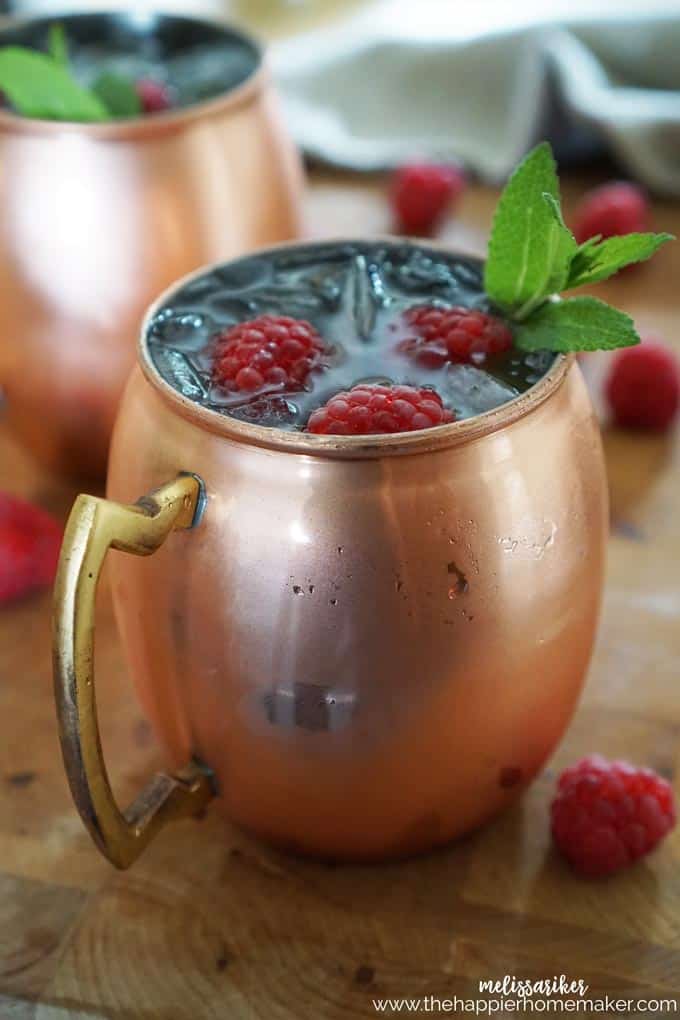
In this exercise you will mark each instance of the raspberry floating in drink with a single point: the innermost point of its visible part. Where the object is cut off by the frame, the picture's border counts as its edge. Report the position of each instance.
(373, 410)
(454, 334)
(606, 815)
(154, 96)
(273, 350)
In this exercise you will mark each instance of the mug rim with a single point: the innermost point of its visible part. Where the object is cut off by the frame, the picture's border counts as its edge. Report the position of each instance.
(158, 123)
(437, 437)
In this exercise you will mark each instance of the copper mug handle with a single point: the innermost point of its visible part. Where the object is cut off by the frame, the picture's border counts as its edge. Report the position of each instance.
(94, 527)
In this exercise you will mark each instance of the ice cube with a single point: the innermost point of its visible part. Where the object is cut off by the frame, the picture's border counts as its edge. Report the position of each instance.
(363, 293)
(273, 412)
(468, 390)
(178, 371)
(414, 271)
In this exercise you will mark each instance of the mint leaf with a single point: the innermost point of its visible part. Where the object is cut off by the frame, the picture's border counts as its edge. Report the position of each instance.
(118, 94)
(530, 248)
(533, 256)
(587, 245)
(37, 86)
(566, 248)
(56, 44)
(599, 260)
(576, 324)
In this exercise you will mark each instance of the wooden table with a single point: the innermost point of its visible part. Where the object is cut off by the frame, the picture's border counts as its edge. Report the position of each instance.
(209, 924)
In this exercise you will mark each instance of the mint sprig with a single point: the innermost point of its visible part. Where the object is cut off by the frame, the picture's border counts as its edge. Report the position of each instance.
(41, 85)
(118, 94)
(533, 256)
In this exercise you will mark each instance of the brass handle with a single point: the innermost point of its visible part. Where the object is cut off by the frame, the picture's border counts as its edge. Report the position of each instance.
(94, 527)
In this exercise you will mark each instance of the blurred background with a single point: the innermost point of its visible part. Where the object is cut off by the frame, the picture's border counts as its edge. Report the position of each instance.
(368, 83)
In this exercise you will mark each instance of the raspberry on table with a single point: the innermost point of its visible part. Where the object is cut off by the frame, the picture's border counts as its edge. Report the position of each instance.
(606, 815)
(154, 96)
(421, 193)
(371, 409)
(611, 210)
(29, 548)
(270, 350)
(453, 334)
(643, 386)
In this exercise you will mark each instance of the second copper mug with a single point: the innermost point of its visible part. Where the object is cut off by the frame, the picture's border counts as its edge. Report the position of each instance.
(286, 608)
(96, 219)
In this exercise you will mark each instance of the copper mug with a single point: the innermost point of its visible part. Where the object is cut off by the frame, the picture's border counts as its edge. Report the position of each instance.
(97, 219)
(362, 646)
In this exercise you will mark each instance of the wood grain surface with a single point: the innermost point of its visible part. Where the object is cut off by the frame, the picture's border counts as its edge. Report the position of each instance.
(210, 924)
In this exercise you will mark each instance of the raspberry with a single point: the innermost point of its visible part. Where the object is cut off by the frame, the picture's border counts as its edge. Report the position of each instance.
(154, 96)
(29, 548)
(606, 815)
(271, 350)
(643, 387)
(421, 193)
(453, 334)
(613, 209)
(372, 409)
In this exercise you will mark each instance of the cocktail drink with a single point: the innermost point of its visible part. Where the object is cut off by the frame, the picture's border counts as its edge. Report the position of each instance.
(271, 338)
(377, 511)
(98, 215)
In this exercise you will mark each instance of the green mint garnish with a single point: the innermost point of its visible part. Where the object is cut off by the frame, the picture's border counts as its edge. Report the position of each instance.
(56, 44)
(529, 253)
(576, 324)
(533, 256)
(601, 259)
(118, 95)
(38, 86)
(41, 85)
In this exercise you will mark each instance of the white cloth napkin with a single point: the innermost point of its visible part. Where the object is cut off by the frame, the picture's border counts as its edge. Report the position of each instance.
(445, 81)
